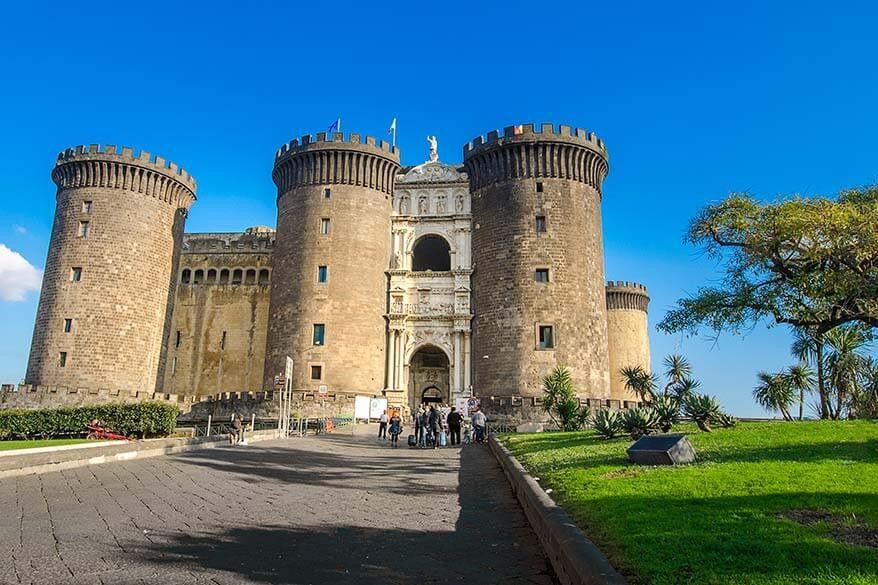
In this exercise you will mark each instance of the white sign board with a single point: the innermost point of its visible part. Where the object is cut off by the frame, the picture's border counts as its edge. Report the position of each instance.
(361, 407)
(461, 405)
(377, 406)
(322, 389)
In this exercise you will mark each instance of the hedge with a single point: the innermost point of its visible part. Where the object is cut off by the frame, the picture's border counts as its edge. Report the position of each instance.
(142, 418)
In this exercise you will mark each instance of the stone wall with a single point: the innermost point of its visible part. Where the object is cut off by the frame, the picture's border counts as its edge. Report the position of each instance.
(628, 333)
(556, 175)
(28, 396)
(220, 317)
(119, 219)
(351, 304)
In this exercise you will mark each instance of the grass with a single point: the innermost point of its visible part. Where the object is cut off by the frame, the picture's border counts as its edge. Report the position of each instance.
(32, 444)
(720, 520)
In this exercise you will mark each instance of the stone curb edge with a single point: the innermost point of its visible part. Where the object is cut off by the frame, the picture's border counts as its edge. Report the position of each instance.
(576, 559)
(137, 450)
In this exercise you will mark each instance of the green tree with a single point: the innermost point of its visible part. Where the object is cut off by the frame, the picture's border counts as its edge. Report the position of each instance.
(560, 401)
(845, 363)
(800, 378)
(806, 262)
(808, 347)
(677, 369)
(774, 393)
(639, 381)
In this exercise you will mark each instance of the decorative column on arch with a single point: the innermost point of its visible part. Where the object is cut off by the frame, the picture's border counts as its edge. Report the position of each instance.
(456, 386)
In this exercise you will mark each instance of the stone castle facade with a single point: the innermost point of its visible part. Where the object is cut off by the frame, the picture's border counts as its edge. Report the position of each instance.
(431, 282)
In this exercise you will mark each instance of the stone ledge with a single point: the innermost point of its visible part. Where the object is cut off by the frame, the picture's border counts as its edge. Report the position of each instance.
(574, 557)
(60, 459)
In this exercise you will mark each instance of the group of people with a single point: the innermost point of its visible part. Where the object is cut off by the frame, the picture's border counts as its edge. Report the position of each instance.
(431, 428)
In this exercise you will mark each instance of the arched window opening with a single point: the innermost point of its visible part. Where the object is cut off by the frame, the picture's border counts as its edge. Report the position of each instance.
(211, 276)
(431, 253)
(263, 276)
(237, 276)
(251, 276)
(224, 276)
(186, 276)
(198, 278)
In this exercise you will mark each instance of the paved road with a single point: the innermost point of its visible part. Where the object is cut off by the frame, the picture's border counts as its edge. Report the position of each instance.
(337, 509)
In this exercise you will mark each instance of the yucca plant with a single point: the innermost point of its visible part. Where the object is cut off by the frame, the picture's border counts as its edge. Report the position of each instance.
(639, 381)
(560, 401)
(668, 412)
(683, 388)
(639, 421)
(701, 408)
(725, 420)
(606, 423)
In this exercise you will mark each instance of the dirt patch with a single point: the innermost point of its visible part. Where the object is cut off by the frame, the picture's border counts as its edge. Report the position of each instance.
(841, 529)
(623, 472)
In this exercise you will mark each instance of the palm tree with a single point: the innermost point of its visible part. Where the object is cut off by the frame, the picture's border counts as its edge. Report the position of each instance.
(639, 381)
(808, 347)
(677, 369)
(845, 362)
(686, 387)
(864, 401)
(774, 393)
(800, 378)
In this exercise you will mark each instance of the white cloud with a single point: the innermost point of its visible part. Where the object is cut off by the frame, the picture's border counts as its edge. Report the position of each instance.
(17, 275)
(20, 229)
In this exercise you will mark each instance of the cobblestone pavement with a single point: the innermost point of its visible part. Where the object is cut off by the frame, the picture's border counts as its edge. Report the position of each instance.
(335, 509)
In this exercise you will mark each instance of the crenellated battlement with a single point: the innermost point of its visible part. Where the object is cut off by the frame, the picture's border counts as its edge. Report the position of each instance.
(336, 159)
(248, 242)
(141, 171)
(522, 152)
(334, 140)
(622, 294)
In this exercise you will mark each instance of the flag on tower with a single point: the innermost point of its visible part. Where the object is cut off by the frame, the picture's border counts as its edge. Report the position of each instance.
(392, 131)
(335, 126)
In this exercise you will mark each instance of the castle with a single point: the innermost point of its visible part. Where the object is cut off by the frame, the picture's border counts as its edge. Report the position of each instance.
(423, 283)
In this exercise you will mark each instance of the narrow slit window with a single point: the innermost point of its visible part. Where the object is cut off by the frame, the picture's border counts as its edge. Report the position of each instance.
(84, 229)
(319, 333)
(179, 339)
(316, 372)
(541, 224)
(327, 193)
(68, 325)
(223, 341)
(174, 366)
(62, 359)
(541, 275)
(539, 186)
(322, 274)
(324, 226)
(547, 337)
(76, 274)
(86, 206)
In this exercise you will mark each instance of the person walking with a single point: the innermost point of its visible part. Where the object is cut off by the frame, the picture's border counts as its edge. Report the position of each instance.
(416, 425)
(237, 433)
(454, 421)
(382, 425)
(480, 422)
(423, 422)
(435, 424)
(395, 429)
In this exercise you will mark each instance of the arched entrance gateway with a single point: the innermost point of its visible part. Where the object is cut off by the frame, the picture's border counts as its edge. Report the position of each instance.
(429, 377)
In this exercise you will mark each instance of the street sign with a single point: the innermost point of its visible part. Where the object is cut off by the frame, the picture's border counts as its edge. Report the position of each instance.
(322, 389)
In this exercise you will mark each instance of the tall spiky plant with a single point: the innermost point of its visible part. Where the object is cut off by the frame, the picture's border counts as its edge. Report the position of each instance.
(800, 379)
(677, 369)
(773, 392)
(639, 381)
(808, 347)
(845, 362)
(560, 401)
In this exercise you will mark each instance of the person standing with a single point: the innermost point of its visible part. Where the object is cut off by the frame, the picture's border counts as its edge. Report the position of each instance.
(237, 429)
(382, 425)
(454, 421)
(422, 427)
(395, 429)
(480, 422)
(435, 423)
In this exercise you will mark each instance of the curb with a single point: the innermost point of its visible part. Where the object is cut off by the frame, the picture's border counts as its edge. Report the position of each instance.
(576, 559)
(58, 460)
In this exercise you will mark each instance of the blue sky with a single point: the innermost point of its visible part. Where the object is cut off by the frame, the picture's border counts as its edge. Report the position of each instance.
(693, 99)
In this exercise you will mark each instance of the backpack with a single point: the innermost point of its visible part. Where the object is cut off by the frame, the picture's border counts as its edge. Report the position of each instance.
(412, 442)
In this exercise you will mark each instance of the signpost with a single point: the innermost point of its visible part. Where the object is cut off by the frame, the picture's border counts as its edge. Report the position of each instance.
(286, 399)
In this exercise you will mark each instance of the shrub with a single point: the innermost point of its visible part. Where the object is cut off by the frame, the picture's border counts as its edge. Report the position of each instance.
(668, 412)
(703, 409)
(639, 421)
(606, 423)
(725, 420)
(560, 401)
(142, 418)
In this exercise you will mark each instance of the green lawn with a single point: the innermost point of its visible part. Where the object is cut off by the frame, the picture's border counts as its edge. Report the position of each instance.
(9, 445)
(722, 520)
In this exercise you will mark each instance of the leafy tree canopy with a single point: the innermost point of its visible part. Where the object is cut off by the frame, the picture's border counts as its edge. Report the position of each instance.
(807, 262)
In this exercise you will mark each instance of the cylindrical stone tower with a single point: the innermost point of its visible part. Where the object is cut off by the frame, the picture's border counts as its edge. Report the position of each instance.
(110, 273)
(628, 333)
(538, 262)
(328, 286)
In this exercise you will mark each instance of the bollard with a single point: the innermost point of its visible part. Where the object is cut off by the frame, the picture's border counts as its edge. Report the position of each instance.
(208, 426)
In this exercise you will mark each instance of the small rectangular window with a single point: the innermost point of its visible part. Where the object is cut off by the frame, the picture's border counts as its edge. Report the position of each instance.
(327, 193)
(324, 226)
(62, 359)
(223, 341)
(319, 330)
(541, 275)
(174, 366)
(322, 274)
(547, 338)
(68, 325)
(316, 372)
(86, 206)
(84, 229)
(541, 223)
(539, 186)
(76, 274)
(179, 339)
